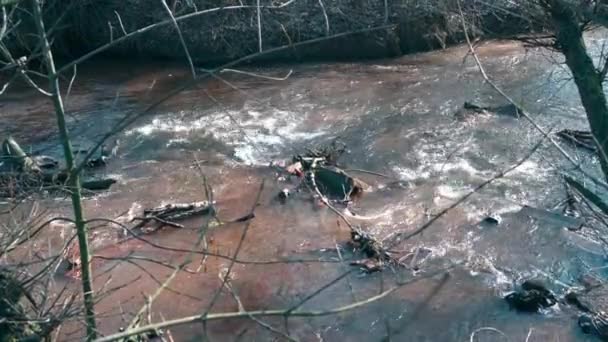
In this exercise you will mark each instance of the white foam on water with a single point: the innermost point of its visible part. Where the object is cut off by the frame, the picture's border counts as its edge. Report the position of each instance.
(531, 169)
(451, 192)
(407, 174)
(461, 164)
(256, 136)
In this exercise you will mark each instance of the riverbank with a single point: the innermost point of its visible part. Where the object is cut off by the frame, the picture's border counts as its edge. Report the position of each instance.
(236, 29)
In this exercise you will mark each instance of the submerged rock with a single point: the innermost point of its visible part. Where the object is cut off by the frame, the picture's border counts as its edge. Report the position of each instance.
(98, 184)
(532, 297)
(334, 182)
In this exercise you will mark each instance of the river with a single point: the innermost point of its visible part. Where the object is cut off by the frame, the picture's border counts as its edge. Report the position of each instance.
(397, 118)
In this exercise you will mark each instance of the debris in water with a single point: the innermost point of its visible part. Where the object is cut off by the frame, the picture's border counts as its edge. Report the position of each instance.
(283, 195)
(21, 173)
(177, 211)
(378, 257)
(595, 324)
(582, 139)
(532, 297)
(469, 108)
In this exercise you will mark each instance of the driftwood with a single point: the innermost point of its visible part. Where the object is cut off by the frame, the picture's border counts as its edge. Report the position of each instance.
(20, 173)
(14, 159)
(166, 214)
(162, 215)
(506, 110)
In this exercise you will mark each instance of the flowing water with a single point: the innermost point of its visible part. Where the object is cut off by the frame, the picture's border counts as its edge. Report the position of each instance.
(397, 118)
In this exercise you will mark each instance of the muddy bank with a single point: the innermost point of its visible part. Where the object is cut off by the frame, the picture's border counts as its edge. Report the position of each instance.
(232, 32)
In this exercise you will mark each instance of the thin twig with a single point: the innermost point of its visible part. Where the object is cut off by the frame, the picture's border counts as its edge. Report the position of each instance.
(266, 313)
(236, 252)
(259, 26)
(501, 174)
(181, 37)
(258, 75)
(69, 91)
(472, 338)
(264, 325)
(326, 17)
(122, 27)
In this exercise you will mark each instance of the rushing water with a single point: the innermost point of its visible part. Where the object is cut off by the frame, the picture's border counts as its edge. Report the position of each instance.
(397, 118)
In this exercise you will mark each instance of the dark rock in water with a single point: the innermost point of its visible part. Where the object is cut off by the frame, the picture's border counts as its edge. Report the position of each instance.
(595, 324)
(532, 297)
(504, 110)
(572, 298)
(98, 184)
(493, 220)
(535, 284)
(334, 182)
(508, 110)
(472, 106)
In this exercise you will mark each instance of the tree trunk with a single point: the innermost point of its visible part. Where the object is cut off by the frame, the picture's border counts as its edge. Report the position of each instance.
(73, 177)
(586, 76)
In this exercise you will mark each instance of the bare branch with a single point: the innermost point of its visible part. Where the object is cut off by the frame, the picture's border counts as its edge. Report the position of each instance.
(327, 18)
(266, 313)
(405, 236)
(259, 26)
(181, 37)
(258, 75)
(68, 92)
(236, 252)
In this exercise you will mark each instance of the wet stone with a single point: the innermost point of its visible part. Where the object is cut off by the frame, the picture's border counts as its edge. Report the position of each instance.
(532, 296)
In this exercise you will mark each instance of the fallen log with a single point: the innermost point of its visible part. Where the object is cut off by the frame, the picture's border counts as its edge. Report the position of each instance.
(15, 159)
(176, 211)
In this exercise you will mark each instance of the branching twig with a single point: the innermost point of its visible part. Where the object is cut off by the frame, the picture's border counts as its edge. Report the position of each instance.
(236, 252)
(181, 37)
(264, 313)
(326, 17)
(259, 12)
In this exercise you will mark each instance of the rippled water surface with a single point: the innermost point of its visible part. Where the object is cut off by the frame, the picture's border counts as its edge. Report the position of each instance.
(397, 118)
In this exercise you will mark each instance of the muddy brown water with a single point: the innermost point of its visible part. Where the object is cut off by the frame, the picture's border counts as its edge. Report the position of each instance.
(397, 118)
